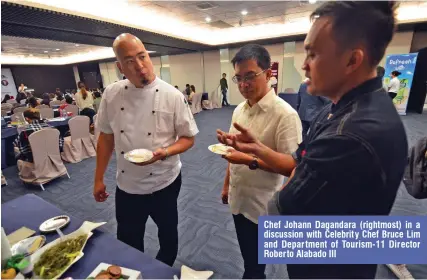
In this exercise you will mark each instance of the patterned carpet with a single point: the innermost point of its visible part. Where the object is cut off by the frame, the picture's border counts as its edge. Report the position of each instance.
(207, 235)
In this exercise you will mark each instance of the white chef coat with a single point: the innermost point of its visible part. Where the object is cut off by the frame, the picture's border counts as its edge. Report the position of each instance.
(145, 118)
(394, 85)
(277, 125)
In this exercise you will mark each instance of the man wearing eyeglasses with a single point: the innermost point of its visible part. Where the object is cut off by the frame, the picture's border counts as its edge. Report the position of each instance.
(249, 182)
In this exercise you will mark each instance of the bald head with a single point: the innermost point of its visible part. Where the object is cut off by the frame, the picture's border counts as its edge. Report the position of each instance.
(124, 41)
(133, 59)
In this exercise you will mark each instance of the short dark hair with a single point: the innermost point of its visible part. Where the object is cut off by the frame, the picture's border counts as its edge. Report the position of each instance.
(380, 71)
(32, 114)
(68, 99)
(372, 23)
(224, 74)
(97, 94)
(187, 85)
(396, 73)
(255, 52)
(33, 102)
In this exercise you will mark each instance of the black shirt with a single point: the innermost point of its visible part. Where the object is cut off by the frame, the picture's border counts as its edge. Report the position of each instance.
(353, 159)
(223, 83)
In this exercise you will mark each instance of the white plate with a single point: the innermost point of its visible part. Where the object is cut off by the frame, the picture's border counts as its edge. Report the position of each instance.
(23, 246)
(219, 149)
(139, 155)
(54, 223)
(126, 272)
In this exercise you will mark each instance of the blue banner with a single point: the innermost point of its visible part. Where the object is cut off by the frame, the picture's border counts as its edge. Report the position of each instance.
(342, 240)
(405, 64)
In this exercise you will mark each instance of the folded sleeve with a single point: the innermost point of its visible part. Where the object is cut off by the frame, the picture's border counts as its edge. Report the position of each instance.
(324, 170)
(185, 125)
(102, 121)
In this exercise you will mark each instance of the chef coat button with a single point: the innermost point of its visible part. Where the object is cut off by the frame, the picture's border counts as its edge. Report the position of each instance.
(123, 108)
(151, 174)
(153, 112)
(122, 131)
(123, 152)
(126, 87)
(123, 171)
(157, 90)
(149, 133)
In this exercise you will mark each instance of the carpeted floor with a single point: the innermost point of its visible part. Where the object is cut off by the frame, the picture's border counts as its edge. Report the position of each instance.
(207, 235)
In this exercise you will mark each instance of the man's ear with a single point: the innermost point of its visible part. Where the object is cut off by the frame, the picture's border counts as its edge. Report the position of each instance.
(119, 66)
(355, 60)
(268, 74)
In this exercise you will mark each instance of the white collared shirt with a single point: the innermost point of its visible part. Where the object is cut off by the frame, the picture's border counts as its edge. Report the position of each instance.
(277, 125)
(145, 118)
(394, 85)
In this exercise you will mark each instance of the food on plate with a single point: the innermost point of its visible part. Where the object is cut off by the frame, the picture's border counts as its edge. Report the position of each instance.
(36, 245)
(115, 271)
(8, 273)
(54, 260)
(220, 149)
(139, 155)
(112, 272)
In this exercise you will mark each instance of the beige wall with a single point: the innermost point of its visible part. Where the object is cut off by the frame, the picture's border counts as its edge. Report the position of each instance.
(109, 73)
(186, 69)
(156, 64)
(400, 44)
(212, 70)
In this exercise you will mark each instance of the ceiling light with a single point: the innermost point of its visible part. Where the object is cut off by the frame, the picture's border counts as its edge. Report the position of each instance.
(244, 12)
(208, 19)
(58, 49)
(45, 51)
(312, 1)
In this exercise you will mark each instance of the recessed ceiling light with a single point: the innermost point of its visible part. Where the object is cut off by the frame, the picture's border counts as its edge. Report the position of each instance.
(208, 19)
(312, 1)
(58, 49)
(77, 45)
(244, 12)
(45, 51)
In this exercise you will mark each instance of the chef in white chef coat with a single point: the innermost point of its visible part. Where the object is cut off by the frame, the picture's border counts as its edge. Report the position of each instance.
(143, 112)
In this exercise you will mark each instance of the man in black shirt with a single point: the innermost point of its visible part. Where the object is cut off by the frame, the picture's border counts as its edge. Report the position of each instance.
(224, 89)
(352, 161)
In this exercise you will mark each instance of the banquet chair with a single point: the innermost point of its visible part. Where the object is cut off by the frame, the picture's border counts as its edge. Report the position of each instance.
(42, 106)
(6, 106)
(47, 163)
(46, 113)
(55, 103)
(199, 102)
(79, 145)
(18, 117)
(20, 110)
(72, 109)
(96, 132)
(12, 101)
(4, 112)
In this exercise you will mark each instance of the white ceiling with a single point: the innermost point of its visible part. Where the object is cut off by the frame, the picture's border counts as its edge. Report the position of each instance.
(36, 47)
(182, 19)
(259, 12)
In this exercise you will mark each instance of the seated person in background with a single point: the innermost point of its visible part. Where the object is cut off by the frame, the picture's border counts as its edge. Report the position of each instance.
(192, 93)
(6, 98)
(97, 100)
(46, 99)
(68, 101)
(83, 98)
(59, 96)
(23, 151)
(20, 96)
(32, 102)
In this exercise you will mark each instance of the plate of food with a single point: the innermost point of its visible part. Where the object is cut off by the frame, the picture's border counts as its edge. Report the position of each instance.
(55, 258)
(54, 223)
(108, 271)
(139, 155)
(28, 246)
(219, 149)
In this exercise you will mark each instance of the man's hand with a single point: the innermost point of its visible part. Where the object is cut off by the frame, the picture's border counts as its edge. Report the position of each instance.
(236, 157)
(158, 154)
(224, 196)
(244, 141)
(99, 192)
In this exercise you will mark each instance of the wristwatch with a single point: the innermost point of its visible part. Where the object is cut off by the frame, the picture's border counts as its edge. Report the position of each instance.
(253, 165)
(167, 154)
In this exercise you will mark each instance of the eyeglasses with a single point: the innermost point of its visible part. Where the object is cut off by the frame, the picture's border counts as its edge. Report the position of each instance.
(247, 78)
